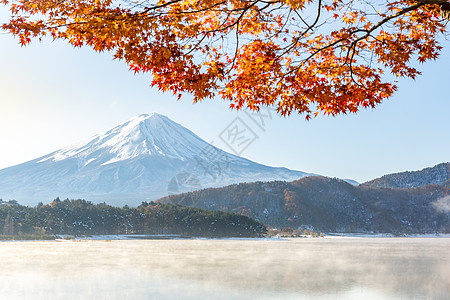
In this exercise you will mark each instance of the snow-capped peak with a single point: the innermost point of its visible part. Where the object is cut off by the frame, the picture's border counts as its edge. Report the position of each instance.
(146, 157)
(143, 135)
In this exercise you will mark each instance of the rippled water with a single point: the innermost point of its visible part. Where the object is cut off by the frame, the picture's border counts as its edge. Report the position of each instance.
(329, 268)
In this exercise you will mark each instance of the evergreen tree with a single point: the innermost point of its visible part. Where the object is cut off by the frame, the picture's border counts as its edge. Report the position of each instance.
(8, 229)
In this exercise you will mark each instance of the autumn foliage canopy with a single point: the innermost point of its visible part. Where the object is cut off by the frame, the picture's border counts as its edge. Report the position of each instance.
(305, 56)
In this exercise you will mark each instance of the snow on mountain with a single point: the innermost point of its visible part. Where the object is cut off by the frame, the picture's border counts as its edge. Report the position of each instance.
(352, 182)
(438, 174)
(144, 135)
(145, 158)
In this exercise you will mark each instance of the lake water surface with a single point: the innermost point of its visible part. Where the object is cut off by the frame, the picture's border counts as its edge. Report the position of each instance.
(322, 268)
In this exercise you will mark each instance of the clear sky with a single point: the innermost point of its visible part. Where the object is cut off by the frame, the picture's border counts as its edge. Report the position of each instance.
(52, 95)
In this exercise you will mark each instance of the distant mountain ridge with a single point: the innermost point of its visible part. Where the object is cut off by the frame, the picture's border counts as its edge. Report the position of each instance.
(330, 205)
(145, 158)
(438, 174)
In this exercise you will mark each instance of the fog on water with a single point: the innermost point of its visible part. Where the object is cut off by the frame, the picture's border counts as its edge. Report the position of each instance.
(303, 268)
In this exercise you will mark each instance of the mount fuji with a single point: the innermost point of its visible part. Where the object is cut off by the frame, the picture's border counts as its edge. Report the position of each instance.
(145, 158)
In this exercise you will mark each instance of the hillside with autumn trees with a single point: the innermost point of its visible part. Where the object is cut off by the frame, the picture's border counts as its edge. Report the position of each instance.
(80, 217)
(330, 205)
(303, 56)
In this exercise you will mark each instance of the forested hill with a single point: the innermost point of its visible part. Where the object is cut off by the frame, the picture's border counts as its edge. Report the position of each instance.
(330, 205)
(80, 217)
(438, 174)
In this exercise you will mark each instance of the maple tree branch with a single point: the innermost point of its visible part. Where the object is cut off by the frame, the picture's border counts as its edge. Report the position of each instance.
(156, 7)
(236, 50)
(367, 31)
(277, 51)
(297, 39)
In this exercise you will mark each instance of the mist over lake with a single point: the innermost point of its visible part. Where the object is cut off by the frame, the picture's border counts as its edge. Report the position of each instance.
(322, 268)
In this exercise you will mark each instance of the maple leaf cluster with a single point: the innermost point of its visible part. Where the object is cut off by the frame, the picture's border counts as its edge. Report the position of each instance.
(305, 56)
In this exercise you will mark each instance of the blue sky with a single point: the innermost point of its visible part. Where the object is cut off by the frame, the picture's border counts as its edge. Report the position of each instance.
(52, 95)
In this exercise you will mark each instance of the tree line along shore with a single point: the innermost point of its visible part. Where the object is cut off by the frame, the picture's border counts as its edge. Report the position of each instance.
(83, 218)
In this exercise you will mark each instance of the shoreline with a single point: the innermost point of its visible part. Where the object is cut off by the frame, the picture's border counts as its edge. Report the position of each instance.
(137, 237)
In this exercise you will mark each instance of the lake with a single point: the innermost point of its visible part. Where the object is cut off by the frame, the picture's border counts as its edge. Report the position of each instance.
(309, 268)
